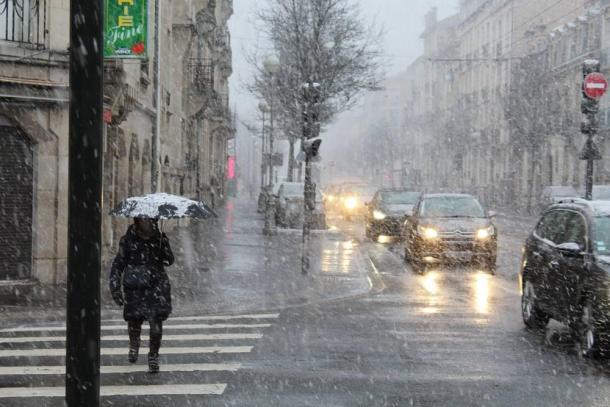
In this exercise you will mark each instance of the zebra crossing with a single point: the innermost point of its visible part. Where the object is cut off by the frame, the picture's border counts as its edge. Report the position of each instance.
(199, 355)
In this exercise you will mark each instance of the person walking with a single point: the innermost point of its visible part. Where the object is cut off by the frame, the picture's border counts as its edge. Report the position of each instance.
(139, 284)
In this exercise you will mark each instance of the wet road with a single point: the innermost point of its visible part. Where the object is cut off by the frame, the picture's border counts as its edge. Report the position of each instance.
(452, 337)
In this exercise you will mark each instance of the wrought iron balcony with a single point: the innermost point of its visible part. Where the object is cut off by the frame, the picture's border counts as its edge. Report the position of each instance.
(202, 75)
(24, 22)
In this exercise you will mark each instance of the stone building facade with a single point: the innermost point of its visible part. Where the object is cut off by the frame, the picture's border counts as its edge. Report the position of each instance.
(195, 56)
(492, 107)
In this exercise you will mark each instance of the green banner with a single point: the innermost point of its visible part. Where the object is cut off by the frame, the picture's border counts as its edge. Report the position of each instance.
(126, 29)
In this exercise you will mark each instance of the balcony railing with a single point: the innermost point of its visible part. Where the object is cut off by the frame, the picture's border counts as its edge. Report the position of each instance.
(24, 22)
(202, 75)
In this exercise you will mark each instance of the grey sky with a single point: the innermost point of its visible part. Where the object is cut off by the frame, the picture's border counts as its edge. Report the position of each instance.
(402, 20)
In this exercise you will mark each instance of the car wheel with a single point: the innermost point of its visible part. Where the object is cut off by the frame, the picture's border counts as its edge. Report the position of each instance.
(417, 264)
(587, 336)
(532, 316)
(490, 264)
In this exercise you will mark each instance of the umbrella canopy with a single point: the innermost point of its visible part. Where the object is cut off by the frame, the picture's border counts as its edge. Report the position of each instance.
(162, 206)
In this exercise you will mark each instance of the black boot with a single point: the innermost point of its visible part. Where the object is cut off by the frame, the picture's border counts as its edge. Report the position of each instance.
(134, 341)
(153, 363)
(133, 354)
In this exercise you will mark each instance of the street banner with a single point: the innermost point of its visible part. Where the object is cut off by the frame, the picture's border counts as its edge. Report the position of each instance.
(126, 28)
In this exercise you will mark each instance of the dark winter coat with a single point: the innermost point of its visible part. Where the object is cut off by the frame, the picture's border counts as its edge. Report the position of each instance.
(155, 301)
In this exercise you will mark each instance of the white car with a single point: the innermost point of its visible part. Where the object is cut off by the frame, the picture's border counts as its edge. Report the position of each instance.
(290, 206)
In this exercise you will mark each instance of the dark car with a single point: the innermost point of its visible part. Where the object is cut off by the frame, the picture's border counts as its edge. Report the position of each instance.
(387, 212)
(450, 228)
(565, 272)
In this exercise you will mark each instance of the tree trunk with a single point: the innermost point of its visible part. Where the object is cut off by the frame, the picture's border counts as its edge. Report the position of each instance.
(291, 161)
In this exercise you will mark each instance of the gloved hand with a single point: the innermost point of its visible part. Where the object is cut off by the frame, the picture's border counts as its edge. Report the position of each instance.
(117, 296)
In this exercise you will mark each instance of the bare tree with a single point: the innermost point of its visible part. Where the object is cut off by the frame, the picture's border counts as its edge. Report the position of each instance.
(328, 55)
(323, 42)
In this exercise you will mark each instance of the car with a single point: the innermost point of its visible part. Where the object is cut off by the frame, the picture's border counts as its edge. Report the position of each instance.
(565, 272)
(387, 212)
(352, 199)
(601, 192)
(450, 228)
(290, 206)
(553, 194)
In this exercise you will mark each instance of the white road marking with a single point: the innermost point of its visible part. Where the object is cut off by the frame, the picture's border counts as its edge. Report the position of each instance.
(107, 391)
(123, 351)
(144, 327)
(211, 318)
(60, 370)
(186, 337)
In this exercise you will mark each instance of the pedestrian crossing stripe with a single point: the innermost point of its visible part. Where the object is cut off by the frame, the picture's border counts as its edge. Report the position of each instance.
(122, 351)
(194, 337)
(239, 328)
(210, 318)
(120, 369)
(109, 391)
(144, 327)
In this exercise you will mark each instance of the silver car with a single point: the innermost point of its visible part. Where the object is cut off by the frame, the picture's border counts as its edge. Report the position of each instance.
(290, 206)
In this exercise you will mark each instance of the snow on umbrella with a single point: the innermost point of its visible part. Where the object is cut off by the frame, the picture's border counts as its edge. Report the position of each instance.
(162, 206)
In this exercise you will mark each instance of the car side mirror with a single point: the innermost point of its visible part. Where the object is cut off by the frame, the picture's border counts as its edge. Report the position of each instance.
(492, 214)
(570, 249)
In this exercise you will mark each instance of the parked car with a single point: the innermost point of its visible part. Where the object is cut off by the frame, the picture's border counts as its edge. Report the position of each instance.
(450, 228)
(553, 194)
(387, 212)
(290, 206)
(601, 192)
(565, 272)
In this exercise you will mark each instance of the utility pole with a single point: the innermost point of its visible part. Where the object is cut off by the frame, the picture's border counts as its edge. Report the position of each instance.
(85, 204)
(594, 87)
(156, 135)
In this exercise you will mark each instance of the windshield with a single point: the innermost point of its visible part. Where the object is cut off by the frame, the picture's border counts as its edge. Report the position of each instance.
(399, 198)
(601, 193)
(452, 207)
(563, 192)
(292, 190)
(296, 191)
(602, 235)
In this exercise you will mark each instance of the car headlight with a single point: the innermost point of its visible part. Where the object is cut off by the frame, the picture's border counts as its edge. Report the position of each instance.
(378, 215)
(485, 233)
(330, 198)
(351, 203)
(427, 233)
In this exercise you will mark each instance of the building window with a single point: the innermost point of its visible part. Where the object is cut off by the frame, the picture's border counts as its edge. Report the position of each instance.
(24, 22)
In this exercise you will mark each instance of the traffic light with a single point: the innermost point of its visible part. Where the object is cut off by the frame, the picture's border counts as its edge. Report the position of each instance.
(312, 148)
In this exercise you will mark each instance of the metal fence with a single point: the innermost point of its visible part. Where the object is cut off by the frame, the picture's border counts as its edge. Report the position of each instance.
(24, 22)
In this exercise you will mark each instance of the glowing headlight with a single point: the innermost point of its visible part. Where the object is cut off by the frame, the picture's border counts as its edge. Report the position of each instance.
(330, 198)
(486, 233)
(378, 215)
(351, 203)
(428, 233)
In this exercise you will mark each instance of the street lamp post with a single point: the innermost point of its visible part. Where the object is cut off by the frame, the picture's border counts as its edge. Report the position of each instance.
(262, 196)
(272, 67)
(85, 204)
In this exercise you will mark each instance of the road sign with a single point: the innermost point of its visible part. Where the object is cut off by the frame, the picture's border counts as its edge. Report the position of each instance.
(595, 85)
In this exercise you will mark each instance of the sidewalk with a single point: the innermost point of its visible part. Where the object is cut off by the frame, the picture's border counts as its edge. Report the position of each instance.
(226, 265)
(229, 266)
